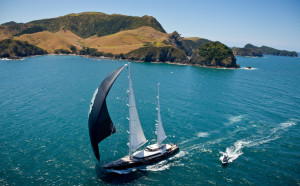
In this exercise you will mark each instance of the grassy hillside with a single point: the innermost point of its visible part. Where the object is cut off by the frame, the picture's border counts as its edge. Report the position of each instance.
(12, 48)
(52, 41)
(121, 42)
(84, 24)
(195, 42)
(126, 41)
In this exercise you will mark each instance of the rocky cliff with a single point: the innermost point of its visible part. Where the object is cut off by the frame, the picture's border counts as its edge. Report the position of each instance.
(158, 54)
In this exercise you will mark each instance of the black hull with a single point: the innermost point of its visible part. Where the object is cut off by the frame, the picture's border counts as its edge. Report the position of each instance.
(124, 164)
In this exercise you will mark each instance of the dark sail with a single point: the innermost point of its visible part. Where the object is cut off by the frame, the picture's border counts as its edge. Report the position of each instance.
(100, 124)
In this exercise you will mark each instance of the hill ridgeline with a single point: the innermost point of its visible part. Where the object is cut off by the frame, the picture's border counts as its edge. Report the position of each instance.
(115, 36)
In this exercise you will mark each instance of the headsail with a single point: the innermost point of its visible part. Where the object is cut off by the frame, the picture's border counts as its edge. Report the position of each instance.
(161, 136)
(136, 136)
(100, 124)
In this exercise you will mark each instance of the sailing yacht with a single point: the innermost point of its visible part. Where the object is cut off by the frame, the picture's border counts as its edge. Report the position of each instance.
(101, 127)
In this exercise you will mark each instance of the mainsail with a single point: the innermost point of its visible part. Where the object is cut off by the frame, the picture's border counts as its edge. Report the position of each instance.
(136, 134)
(161, 136)
(100, 124)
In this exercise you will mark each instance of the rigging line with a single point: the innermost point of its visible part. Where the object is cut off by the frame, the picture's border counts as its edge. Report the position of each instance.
(116, 144)
(116, 113)
(118, 133)
(145, 74)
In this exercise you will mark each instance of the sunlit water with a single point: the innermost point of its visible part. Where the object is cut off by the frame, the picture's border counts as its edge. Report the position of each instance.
(250, 115)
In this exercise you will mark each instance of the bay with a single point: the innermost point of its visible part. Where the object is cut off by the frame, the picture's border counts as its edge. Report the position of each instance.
(254, 114)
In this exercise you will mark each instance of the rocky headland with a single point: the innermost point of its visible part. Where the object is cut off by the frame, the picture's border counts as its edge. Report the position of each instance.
(250, 50)
(112, 36)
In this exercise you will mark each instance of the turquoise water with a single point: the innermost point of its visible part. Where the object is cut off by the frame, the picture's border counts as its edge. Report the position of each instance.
(252, 114)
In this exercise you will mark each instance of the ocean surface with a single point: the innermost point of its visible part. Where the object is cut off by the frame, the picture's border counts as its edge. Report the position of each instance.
(251, 115)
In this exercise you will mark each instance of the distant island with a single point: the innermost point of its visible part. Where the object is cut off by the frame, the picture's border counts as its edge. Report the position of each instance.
(254, 51)
(114, 36)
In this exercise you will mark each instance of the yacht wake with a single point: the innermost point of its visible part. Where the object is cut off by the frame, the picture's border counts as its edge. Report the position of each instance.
(166, 164)
(235, 151)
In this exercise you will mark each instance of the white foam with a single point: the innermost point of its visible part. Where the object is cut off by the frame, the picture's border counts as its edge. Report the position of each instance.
(245, 68)
(235, 119)
(161, 166)
(166, 164)
(288, 123)
(93, 99)
(5, 59)
(203, 134)
(235, 151)
(285, 125)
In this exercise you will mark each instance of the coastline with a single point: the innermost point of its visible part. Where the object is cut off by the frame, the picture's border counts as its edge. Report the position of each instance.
(113, 58)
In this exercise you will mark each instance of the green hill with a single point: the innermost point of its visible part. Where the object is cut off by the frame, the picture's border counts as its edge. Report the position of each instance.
(13, 48)
(158, 54)
(267, 51)
(250, 52)
(196, 42)
(214, 54)
(85, 24)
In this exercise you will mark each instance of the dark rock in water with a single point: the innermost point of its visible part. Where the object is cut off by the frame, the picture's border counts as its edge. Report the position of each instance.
(214, 54)
(248, 67)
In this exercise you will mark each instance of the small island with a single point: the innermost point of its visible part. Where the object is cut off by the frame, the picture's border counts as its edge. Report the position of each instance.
(250, 50)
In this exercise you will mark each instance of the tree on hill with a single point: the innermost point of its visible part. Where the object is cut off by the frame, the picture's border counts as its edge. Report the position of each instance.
(12, 48)
(73, 49)
(214, 54)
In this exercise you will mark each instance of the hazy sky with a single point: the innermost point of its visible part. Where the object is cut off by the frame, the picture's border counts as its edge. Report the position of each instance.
(233, 22)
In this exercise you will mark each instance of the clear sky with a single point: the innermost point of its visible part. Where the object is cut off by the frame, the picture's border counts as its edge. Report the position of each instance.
(233, 22)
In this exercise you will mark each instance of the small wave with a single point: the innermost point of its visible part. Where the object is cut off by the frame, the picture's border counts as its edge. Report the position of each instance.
(285, 125)
(288, 123)
(202, 134)
(161, 166)
(245, 68)
(235, 119)
(206, 150)
(7, 59)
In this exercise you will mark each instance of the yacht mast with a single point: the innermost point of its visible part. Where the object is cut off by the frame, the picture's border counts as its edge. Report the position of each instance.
(161, 136)
(136, 134)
